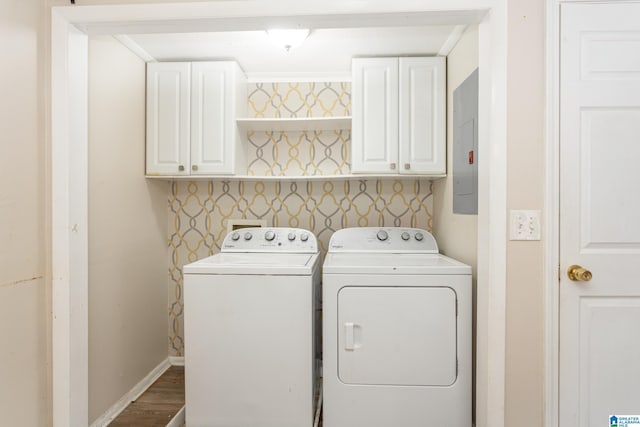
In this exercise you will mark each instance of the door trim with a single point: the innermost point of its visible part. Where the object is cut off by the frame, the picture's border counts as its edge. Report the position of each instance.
(552, 214)
(69, 218)
(70, 26)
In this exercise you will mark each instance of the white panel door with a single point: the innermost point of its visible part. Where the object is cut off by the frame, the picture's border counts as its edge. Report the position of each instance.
(600, 212)
(213, 126)
(397, 336)
(374, 104)
(168, 125)
(422, 118)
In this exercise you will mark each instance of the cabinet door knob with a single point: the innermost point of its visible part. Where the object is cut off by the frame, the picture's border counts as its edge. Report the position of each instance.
(392, 166)
(194, 167)
(181, 168)
(407, 166)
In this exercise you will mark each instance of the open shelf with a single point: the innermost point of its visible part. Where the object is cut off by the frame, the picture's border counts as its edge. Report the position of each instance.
(295, 124)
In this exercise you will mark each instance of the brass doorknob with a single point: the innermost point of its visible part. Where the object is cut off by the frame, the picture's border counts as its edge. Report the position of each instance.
(579, 274)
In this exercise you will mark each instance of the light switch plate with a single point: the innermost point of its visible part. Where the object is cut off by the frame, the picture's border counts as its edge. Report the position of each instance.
(525, 225)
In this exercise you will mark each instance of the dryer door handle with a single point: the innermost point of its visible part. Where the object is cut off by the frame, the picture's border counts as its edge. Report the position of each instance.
(348, 336)
(352, 336)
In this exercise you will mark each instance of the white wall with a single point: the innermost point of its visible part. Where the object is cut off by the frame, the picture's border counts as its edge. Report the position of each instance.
(127, 231)
(24, 350)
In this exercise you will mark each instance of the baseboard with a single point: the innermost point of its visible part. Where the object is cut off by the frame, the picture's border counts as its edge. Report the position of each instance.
(176, 361)
(132, 394)
(178, 420)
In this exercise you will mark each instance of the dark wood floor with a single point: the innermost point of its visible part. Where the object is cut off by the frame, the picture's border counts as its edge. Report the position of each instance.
(158, 404)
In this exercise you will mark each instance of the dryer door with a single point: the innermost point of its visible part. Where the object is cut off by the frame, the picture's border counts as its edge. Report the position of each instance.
(397, 336)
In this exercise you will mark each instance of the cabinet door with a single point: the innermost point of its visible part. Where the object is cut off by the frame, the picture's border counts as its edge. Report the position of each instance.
(213, 126)
(168, 118)
(422, 115)
(374, 135)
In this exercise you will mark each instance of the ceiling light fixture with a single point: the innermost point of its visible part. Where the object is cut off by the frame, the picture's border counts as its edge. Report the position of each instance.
(288, 39)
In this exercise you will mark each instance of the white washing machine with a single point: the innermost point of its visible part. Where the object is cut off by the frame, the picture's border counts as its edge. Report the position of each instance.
(250, 321)
(397, 331)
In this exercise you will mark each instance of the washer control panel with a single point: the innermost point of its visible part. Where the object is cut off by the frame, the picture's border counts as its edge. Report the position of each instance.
(270, 239)
(383, 239)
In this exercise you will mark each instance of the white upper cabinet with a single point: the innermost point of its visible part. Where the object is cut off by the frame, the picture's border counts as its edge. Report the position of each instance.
(197, 121)
(168, 99)
(192, 131)
(422, 115)
(218, 96)
(398, 110)
(374, 112)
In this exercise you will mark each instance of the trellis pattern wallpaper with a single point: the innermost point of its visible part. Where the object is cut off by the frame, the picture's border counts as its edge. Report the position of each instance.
(199, 210)
(299, 153)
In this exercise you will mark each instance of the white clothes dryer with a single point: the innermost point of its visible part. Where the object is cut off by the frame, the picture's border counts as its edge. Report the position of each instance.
(250, 324)
(397, 331)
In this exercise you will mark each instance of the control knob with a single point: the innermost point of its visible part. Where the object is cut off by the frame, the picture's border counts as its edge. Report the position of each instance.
(248, 236)
(419, 236)
(291, 236)
(269, 235)
(405, 236)
(235, 236)
(382, 235)
(304, 237)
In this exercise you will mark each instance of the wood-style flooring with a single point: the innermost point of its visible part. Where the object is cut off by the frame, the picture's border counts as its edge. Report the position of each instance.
(158, 404)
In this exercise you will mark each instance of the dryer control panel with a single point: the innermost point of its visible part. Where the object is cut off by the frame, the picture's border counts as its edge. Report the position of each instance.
(383, 239)
(271, 239)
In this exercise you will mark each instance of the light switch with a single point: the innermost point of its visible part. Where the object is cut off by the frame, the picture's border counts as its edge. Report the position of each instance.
(525, 225)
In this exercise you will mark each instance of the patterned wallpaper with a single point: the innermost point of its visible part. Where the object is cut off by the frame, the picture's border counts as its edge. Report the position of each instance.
(299, 153)
(199, 209)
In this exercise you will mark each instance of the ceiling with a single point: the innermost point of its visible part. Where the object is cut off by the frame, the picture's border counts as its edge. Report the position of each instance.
(326, 52)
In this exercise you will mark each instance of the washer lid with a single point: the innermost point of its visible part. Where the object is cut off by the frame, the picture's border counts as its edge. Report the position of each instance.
(385, 263)
(273, 264)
